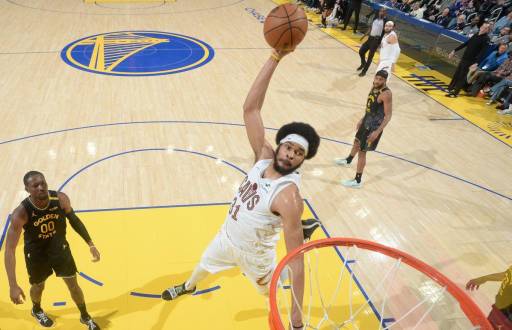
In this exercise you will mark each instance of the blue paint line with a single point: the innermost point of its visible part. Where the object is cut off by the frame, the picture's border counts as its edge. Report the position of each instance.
(152, 207)
(90, 279)
(354, 277)
(143, 150)
(4, 233)
(145, 295)
(426, 81)
(272, 129)
(103, 159)
(286, 287)
(351, 261)
(215, 288)
(59, 303)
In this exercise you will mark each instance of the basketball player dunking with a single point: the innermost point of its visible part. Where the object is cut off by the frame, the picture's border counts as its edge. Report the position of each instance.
(42, 216)
(370, 127)
(268, 199)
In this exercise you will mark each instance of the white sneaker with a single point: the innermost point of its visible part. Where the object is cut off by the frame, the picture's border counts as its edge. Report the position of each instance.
(341, 162)
(352, 183)
(505, 112)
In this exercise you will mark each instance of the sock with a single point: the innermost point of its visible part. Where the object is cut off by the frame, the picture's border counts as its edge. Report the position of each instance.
(349, 159)
(197, 275)
(37, 307)
(83, 311)
(358, 177)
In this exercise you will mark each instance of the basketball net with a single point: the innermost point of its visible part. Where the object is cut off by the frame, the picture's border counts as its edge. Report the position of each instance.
(357, 284)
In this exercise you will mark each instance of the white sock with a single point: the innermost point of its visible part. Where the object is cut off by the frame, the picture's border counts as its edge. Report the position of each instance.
(198, 275)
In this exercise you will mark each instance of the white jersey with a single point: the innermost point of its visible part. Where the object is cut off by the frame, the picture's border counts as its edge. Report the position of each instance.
(389, 52)
(250, 224)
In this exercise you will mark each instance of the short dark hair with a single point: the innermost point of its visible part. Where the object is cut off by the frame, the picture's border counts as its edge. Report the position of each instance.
(30, 174)
(383, 73)
(304, 130)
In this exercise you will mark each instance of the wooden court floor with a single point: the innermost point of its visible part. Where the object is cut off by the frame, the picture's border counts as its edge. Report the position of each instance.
(438, 189)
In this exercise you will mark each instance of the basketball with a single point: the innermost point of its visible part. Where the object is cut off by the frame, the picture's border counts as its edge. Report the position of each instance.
(285, 27)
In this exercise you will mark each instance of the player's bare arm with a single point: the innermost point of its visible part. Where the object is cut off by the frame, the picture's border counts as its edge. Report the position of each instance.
(289, 205)
(19, 219)
(77, 225)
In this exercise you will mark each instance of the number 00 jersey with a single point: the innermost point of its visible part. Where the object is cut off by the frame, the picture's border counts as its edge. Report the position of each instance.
(45, 227)
(250, 224)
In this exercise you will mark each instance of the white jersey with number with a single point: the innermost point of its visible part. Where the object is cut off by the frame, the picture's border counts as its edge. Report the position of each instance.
(250, 224)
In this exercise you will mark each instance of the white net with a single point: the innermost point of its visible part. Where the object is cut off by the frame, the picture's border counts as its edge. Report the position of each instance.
(354, 288)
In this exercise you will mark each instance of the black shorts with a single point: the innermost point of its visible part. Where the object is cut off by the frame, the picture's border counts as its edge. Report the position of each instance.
(41, 263)
(329, 4)
(362, 136)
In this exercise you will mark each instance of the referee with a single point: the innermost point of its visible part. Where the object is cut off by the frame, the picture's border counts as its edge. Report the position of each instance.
(371, 45)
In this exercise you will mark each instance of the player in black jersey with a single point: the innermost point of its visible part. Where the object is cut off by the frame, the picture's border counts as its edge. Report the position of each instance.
(42, 217)
(370, 127)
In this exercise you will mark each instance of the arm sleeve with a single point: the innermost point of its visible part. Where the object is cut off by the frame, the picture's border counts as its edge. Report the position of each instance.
(483, 49)
(78, 226)
(462, 45)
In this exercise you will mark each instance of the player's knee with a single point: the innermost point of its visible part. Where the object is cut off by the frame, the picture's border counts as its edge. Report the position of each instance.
(38, 286)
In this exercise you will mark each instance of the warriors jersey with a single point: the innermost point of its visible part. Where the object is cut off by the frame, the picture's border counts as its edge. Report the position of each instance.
(45, 226)
(250, 224)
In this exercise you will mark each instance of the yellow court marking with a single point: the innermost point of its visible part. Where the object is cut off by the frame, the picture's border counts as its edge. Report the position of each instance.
(417, 75)
(147, 250)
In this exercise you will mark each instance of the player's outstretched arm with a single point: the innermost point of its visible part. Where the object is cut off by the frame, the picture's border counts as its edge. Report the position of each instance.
(78, 225)
(19, 219)
(289, 205)
(253, 104)
(475, 283)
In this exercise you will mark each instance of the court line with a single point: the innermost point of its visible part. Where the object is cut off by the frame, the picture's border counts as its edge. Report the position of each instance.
(354, 277)
(14, 3)
(90, 279)
(158, 296)
(59, 303)
(267, 128)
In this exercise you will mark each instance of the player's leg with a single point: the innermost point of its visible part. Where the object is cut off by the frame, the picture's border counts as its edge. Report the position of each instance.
(346, 161)
(217, 257)
(38, 271)
(78, 297)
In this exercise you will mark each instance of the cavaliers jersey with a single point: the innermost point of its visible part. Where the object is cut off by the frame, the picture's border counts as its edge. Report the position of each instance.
(250, 224)
(45, 227)
(504, 296)
(374, 110)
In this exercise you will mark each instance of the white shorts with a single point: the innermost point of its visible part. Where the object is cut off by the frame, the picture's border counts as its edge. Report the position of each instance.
(385, 65)
(222, 255)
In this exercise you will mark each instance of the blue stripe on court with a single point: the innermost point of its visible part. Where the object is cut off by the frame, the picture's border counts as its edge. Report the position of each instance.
(7, 222)
(59, 303)
(157, 296)
(90, 279)
(354, 277)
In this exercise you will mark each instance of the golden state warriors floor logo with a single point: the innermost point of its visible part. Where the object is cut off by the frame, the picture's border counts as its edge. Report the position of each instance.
(137, 53)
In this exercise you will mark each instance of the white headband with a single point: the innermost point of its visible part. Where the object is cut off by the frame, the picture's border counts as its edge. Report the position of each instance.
(296, 138)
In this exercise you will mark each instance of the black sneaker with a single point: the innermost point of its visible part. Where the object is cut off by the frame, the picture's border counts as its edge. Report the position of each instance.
(176, 291)
(91, 325)
(42, 318)
(359, 68)
(362, 73)
(308, 227)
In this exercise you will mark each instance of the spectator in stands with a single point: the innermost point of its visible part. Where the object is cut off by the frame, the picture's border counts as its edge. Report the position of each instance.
(472, 28)
(493, 77)
(459, 24)
(496, 9)
(433, 10)
(444, 18)
(491, 63)
(499, 88)
(354, 6)
(475, 49)
(391, 3)
(502, 22)
(502, 37)
(485, 7)
(468, 9)
(406, 6)
(418, 9)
